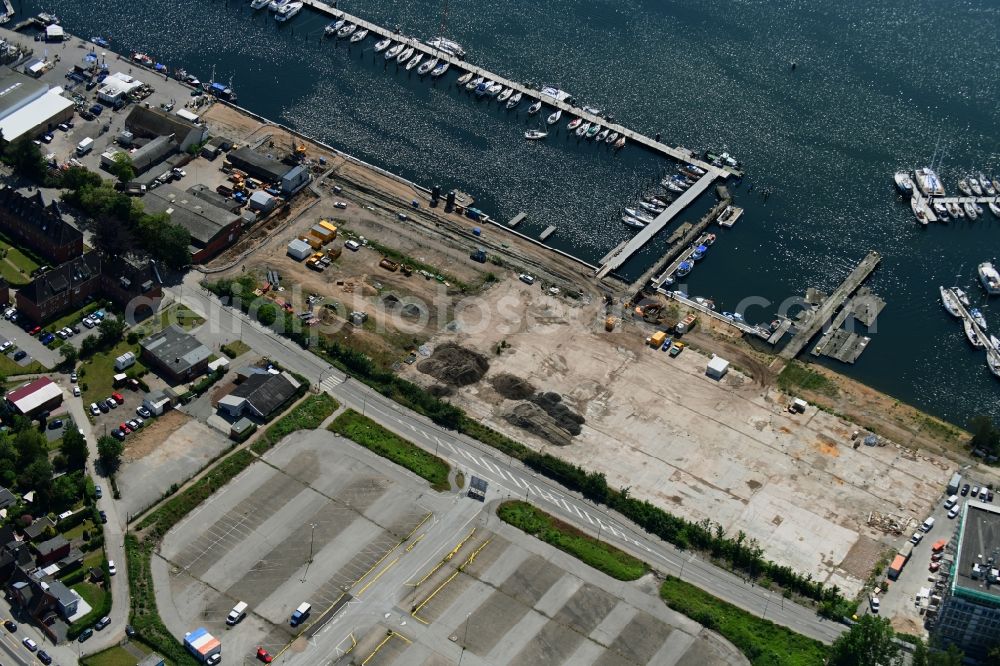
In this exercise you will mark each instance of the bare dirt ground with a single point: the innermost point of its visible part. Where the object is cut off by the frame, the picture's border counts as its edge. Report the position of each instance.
(727, 451)
(144, 442)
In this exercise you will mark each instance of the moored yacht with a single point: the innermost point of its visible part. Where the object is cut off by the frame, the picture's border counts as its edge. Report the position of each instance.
(927, 181)
(994, 208)
(394, 51)
(971, 335)
(465, 78)
(382, 45)
(428, 66)
(347, 30)
(404, 55)
(970, 210)
(534, 135)
(976, 188)
(990, 278)
(288, 11)
(554, 117)
(414, 61)
(903, 183)
(440, 69)
(535, 108)
(359, 35)
(950, 302)
(515, 100)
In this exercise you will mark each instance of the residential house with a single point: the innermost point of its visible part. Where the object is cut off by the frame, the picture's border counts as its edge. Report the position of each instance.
(53, 550)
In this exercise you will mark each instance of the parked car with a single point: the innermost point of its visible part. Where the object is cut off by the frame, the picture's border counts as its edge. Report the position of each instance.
(975, 491)
(143, 412)
(85, 634)
(124, 428)
(44, 657)
(73, 377)
(117, 434)
(55, 424)
(526, 279)
(352, 245)
(10, 625)
(264, 655)
(965, 490)
(112, 569)
(103, 622)
(19, 354)
(98, 493)
(129, 631)
(111, 402)
(94, 409)
(104, 517)
(119, 398)
(61, 333)
(30, 644)
(96, 109)
(132, 423)
(35, 330)
(139, 422)
(76, 391)
(103, 406)
(89, 323)
(5, 346)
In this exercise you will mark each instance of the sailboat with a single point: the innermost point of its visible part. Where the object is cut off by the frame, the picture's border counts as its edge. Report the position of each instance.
(535, 135)
(535, 108)
(554, 117)
(514, 101)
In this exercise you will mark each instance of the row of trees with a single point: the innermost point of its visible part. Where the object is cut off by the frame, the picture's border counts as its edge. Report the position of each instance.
(985, 436)
(873, 642)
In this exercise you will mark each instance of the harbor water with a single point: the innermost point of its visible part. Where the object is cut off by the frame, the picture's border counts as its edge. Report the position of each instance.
(875, 87)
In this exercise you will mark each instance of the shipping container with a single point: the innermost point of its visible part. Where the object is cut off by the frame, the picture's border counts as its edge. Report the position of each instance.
(202, 644)
(326, 225)
(321, 233)
(906, 550)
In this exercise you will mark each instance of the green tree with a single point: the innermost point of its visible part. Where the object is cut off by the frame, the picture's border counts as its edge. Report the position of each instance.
(111, 330)
(74, 447)
(69, 355)
(65, 491)
(8, 461)
(870, 641)
(37, 476)
(121, 168)
(26, 159)
(267, 314)
(110, 450)
(985, 436)
(924, 656)
(30, 444)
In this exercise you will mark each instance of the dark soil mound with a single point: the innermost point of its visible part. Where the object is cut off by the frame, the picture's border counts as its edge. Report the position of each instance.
(562, 415)
(513, 387)
(455, 365)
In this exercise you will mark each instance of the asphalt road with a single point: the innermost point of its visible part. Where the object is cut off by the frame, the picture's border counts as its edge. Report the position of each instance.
(224, 324)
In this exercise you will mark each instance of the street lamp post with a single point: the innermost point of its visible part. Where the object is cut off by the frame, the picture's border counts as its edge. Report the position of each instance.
(465, 639)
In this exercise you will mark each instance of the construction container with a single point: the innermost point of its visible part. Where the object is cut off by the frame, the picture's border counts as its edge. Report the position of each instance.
(314, 242)
(334, 251)
(299, 249)
(389, 265)
(656, 339)
(896, 567)
(321, 233)
(202, 644)
(326, 225)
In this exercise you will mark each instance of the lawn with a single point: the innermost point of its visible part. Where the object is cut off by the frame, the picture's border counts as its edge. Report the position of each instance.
(598, 554)
(173, 314)
(235, 348)
(93, 594)
(308, 415)
(97, 373)
(116, 656)
(77, 532)
(377, 439)
(94, 559)
(20, 272)
(797, 376)
(762, 641)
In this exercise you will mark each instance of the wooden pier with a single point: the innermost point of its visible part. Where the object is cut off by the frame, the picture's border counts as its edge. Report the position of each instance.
(708, 312)
(646, 233)
(692, 237)
(549, 230)
(517, 219)
(818, 317)
(843, 345)
(680, 154)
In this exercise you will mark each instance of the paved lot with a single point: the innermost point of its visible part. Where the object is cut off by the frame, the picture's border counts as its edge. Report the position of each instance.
(520, 601)
(35, 349)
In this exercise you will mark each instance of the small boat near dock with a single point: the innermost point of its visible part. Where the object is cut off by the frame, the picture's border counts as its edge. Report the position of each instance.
(950, 303)
(359, 35)
(515, 100)
(535, 135)
(554, 117)
(535, 108)
(729, 216)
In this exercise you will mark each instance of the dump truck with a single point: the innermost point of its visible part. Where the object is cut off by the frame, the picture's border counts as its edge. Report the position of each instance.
(896, 567)
(609, 324)
(656, 339)
(686, 324)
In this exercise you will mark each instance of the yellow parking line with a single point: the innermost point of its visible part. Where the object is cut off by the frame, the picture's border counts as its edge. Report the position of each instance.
(419, 525)
(448, 580)
(385, 640)
(415, 542)
(374, 566)
(377, 576)
(444, 560)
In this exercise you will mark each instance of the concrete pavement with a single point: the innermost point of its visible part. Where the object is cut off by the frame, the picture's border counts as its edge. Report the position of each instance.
(224, 324)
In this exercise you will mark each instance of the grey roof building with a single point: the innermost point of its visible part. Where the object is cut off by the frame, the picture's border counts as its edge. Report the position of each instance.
(212, 228)
(259, 166)
(154, 152)
(175, 354)
(7, 498)
(260, 395)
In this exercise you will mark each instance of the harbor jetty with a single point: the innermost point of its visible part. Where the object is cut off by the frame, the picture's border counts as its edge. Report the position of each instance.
(679, 248)
(816, 318)
(637, 242)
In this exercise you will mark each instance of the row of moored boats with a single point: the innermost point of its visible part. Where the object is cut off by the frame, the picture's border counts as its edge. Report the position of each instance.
(645, 210)
(956, 303)
(926, 182)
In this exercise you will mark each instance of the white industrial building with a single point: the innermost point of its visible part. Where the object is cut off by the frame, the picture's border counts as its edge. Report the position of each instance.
(29, 107)
(298, 249)
(717, 367)
(116, 88)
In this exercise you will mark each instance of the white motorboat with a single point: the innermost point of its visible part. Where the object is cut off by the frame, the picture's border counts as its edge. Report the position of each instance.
(970, 210)
(535, 108)
(990, 278)
(994, 208)
(382, 45)
(347, 30)
(505, 95)
(652, 208)
(928, 182)
(582, 129)
(977, 316)
(404, 55)
(277, 4)
(483, 87)
(554, 117)
(440, 69)
(494, 90)
(359, 35)
(987, 186)
(514, 101)
(474, 83)
(919, 210)
(620, 143)
(950, 303)
(962, 297)
(903, 183)
(465, 78)
(573, 124)
(259, 4)
(632, 222)
(287, 12)
(963, 187)
(535, 135)
(971, 335)
(603, 134)
(414, 61)
(612, 137)
(993, 361)
(394, 51)
(427, 66)
(954, 210)
(638, 214)
(450, 47)
(976, 188)
(701, 172)
(940, 210)
(704, 302)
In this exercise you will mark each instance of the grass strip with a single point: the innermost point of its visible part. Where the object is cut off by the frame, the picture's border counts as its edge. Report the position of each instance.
(598, 554)
(762, 641)
(309, 415)
(377, 439)
(797, 376)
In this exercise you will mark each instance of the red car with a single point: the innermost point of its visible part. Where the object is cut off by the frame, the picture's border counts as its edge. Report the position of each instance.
(264, 655)
(124, 428)
(118, 398)
(35, 330)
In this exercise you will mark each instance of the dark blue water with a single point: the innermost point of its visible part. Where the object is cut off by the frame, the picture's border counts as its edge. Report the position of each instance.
(875, 89)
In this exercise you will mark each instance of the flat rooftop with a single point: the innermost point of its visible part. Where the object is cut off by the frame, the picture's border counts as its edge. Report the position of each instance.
(978, 543)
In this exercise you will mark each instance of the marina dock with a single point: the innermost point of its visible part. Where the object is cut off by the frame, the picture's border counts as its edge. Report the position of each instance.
(843, 345)
(690, 238)
(632, 246)
(549, 230)
(708, 312)
(681, 154)
(517, 219)
(819, 316)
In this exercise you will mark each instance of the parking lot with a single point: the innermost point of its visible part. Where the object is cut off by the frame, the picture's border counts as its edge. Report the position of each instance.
(304, 527)
(20, 336)
(328, 523)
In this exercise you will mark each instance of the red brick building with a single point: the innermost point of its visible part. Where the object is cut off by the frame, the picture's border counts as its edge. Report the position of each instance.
(33, 220)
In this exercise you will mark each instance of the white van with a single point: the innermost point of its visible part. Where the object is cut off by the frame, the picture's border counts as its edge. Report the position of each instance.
(951, 501)
(238, 613)
(928, 524)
